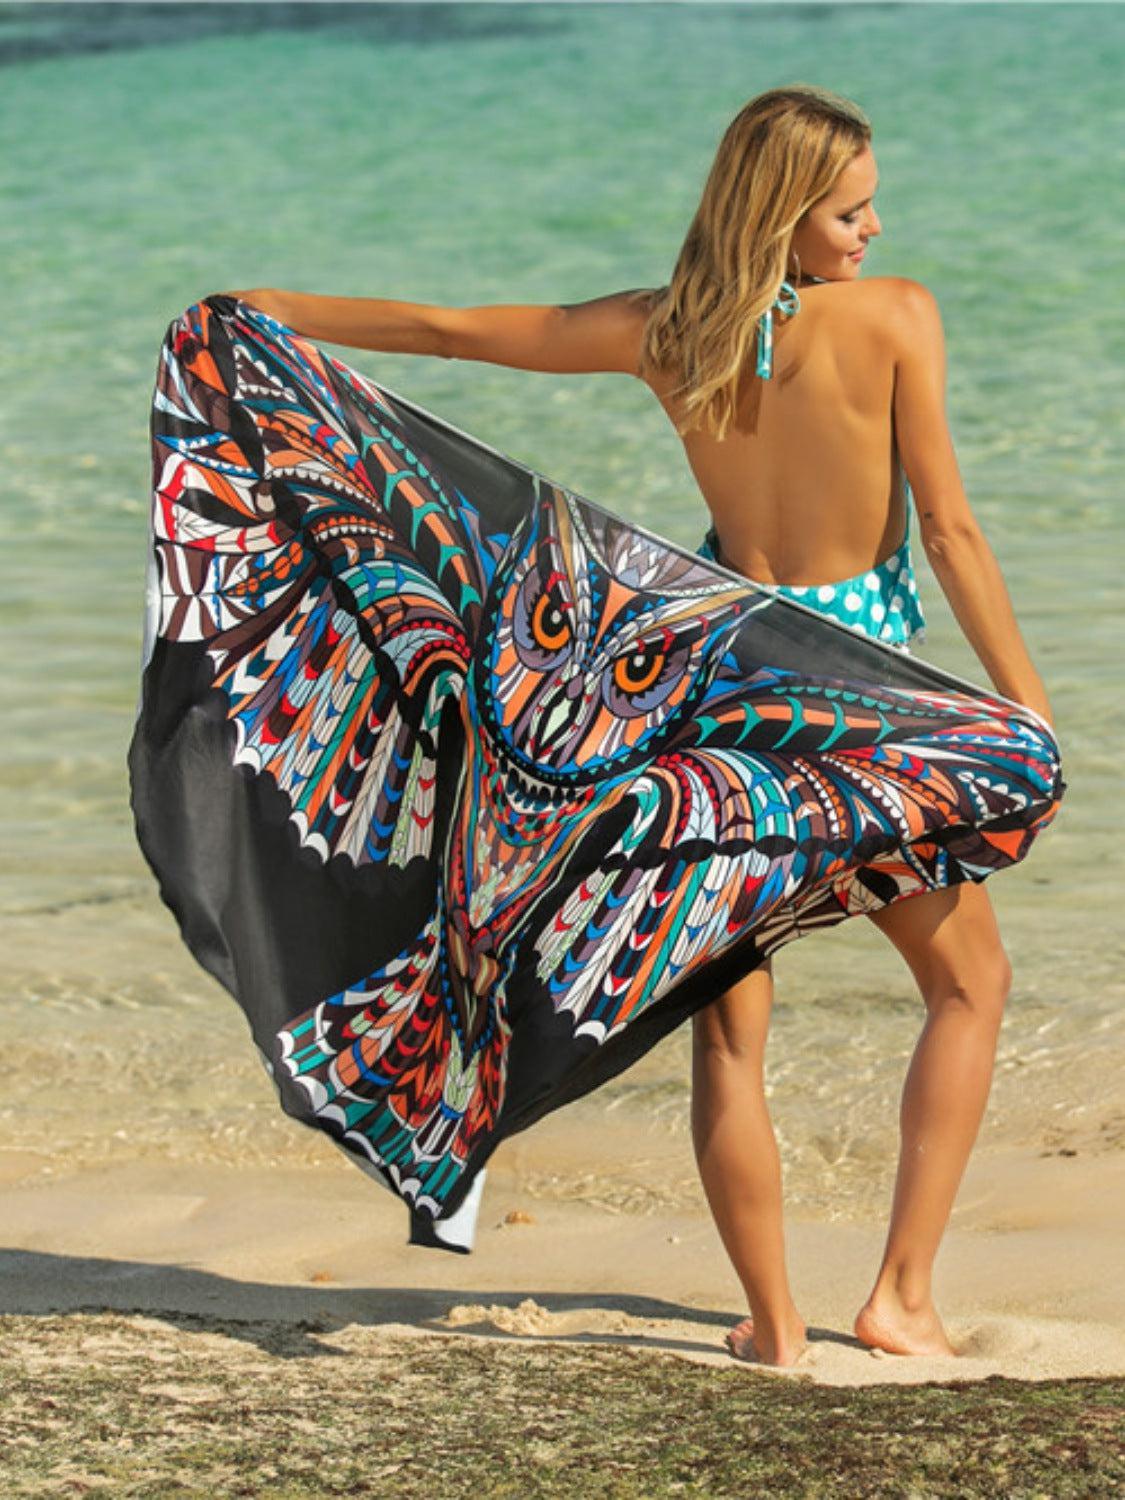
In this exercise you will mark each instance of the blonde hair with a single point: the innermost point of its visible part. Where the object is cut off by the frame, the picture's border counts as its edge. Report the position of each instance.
(780, 154)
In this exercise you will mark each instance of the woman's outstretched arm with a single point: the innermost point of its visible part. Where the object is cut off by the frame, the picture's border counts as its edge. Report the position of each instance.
(569, 338)
(963, 562)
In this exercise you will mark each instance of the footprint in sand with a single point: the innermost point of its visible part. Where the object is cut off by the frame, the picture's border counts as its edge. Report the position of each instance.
(530, 1318)
(994, 1340)
(526, 1317)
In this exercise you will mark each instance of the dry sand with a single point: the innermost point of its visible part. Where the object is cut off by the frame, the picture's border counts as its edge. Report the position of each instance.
(1028, 1279)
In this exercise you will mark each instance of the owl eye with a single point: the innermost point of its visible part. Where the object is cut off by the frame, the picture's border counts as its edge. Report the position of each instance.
(549, 625)
(542, 625)
(639, 670)
(644, 679)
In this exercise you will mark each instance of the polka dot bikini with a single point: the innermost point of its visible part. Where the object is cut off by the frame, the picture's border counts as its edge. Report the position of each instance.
(882, 602)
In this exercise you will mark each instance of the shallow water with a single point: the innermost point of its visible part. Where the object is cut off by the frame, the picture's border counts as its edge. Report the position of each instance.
(500, 153)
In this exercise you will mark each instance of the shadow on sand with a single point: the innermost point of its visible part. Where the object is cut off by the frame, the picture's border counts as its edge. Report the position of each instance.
(284, 1320)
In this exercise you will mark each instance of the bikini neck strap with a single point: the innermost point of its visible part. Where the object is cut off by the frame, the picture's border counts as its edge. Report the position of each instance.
(787, 302)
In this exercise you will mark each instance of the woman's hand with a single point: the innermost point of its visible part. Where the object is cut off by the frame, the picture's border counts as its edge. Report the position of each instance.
(1038, 702)
(263, 298)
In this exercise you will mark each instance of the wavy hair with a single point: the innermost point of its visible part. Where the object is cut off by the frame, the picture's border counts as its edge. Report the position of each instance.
(780, 154)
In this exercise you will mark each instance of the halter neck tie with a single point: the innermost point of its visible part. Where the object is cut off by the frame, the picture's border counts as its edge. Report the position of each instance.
(787, 302)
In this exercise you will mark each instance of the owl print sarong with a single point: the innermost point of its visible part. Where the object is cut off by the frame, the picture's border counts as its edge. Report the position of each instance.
(469, 791)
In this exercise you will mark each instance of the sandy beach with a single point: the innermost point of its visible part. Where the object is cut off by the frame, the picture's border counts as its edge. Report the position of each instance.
(141, 1173)
(1028, 1278)
(181, 1329)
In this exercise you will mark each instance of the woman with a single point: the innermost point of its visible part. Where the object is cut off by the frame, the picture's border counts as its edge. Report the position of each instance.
(805, 406)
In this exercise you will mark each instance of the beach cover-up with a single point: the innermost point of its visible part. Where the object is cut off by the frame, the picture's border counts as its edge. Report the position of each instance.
(469, 791)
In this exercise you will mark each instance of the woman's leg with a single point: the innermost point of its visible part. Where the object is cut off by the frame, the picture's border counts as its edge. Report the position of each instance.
(951, 943)
(739, 1164)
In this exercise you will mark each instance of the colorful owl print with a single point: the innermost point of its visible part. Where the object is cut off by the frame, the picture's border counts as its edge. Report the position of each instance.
(469, 791)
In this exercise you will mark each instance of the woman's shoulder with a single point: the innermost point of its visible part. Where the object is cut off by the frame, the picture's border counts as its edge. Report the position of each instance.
(899, 296)
(898, 291)
(905, 308)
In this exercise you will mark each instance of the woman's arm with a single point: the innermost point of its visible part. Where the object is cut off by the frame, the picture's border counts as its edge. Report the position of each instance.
(571, 338)
(963, 562)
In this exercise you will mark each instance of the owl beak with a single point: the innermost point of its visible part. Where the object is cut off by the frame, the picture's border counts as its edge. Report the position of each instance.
(555, 721)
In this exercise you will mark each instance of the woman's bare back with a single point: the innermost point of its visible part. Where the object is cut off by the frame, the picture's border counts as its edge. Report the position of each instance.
(827, 411)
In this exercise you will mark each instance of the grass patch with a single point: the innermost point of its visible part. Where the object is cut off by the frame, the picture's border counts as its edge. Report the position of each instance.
(162, 1408)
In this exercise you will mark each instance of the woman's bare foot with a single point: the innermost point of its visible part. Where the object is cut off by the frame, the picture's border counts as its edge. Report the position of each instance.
(783, 1347)
(883, 1322)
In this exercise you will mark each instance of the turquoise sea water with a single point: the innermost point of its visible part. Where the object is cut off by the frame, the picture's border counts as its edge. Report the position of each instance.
(499, 153)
